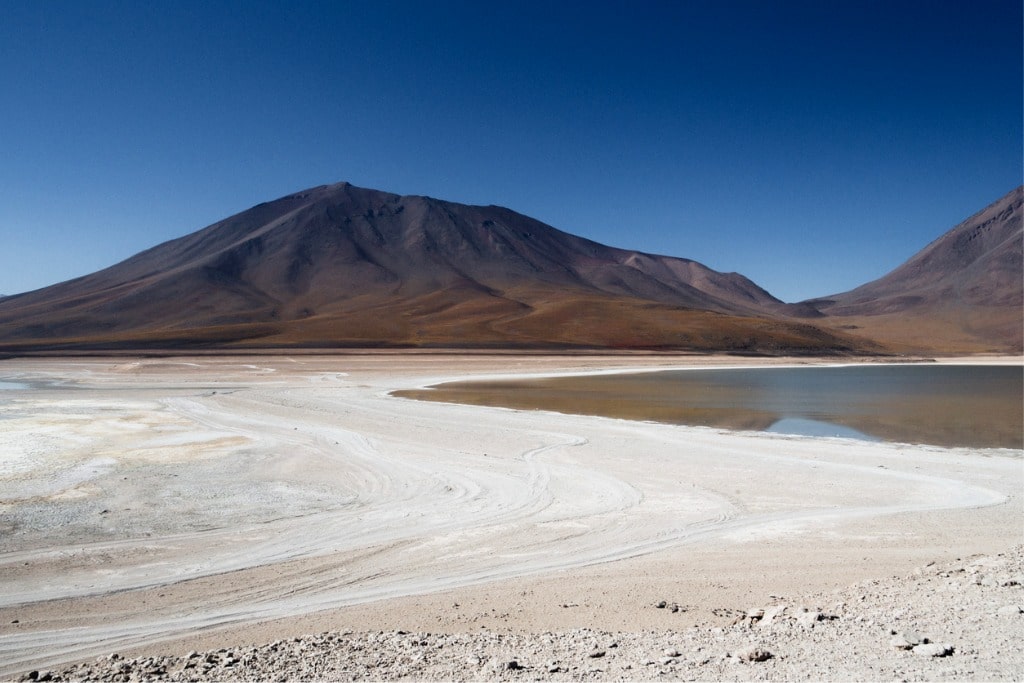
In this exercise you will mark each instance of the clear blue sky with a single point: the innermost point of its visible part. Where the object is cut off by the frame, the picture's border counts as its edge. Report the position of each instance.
(811, 146)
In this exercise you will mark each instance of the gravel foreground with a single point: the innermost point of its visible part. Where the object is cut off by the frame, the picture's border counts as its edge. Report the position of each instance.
(958, 621)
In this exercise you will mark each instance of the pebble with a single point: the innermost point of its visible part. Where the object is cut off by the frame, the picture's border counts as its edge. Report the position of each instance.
(770, 614)
(753, 654)
(906, 640)
(808, 619)
(933, 650)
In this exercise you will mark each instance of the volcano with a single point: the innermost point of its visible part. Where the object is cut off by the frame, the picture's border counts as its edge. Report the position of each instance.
(340, 266)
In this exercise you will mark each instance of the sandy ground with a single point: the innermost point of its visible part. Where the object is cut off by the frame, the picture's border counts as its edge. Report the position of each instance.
(214, 501)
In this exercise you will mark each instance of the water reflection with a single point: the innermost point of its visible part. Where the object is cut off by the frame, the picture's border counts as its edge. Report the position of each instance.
(804, 427)
(945, 405)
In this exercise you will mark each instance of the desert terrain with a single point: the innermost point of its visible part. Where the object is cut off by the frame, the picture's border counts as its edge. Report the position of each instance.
(151, 507)
(343, 267)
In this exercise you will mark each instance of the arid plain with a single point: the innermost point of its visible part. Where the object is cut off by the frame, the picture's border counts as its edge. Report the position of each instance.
(168, 504)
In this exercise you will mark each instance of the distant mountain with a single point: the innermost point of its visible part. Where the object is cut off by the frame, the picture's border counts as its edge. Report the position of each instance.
(963, 292)
(339, 265)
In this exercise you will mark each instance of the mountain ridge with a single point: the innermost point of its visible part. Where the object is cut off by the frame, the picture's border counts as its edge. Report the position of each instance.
(969, 281)
(343, 266)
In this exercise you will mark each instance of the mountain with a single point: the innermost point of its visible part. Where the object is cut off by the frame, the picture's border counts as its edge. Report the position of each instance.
(342, 266)
(962, 292)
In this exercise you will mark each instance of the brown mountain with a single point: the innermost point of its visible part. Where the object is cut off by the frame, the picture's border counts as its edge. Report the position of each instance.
(963, 292)
(342, 266)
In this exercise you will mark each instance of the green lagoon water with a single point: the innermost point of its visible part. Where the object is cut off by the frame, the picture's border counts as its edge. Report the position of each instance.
(943, 405)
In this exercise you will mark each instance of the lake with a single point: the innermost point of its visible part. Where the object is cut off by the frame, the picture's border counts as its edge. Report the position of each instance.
(943, 405)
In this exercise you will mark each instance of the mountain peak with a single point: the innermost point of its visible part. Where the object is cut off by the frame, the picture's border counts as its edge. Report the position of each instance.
(339, 264)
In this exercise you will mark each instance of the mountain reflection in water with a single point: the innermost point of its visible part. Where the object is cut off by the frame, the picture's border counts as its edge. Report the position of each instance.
(943, 405)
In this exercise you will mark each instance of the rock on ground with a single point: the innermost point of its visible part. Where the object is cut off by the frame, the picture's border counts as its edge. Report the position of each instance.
(944, 622)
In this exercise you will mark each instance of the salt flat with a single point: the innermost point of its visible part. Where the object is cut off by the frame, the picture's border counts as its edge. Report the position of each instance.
(212, 499)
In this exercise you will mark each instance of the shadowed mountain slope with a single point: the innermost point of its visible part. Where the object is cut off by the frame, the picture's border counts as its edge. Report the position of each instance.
(339, 265)
(963, 292)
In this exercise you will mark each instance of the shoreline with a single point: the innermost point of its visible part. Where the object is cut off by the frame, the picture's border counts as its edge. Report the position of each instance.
(990, 411)
(627, 551)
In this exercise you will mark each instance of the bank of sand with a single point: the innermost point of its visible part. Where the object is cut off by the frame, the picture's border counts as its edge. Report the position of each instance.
(163, 505)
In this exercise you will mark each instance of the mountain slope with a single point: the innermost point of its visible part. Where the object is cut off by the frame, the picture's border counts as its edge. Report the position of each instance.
(962, 292)
(339, 265)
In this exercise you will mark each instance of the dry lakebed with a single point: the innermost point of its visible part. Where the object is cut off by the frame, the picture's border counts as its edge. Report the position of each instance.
(285, 517)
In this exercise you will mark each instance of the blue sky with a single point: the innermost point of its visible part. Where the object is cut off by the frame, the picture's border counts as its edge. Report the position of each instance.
(811, 146)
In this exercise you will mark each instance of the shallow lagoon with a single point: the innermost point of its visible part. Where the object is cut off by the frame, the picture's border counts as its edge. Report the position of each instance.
(944, 405)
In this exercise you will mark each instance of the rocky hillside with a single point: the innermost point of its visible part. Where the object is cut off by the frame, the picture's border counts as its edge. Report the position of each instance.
(964, 291)
(342, 266)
